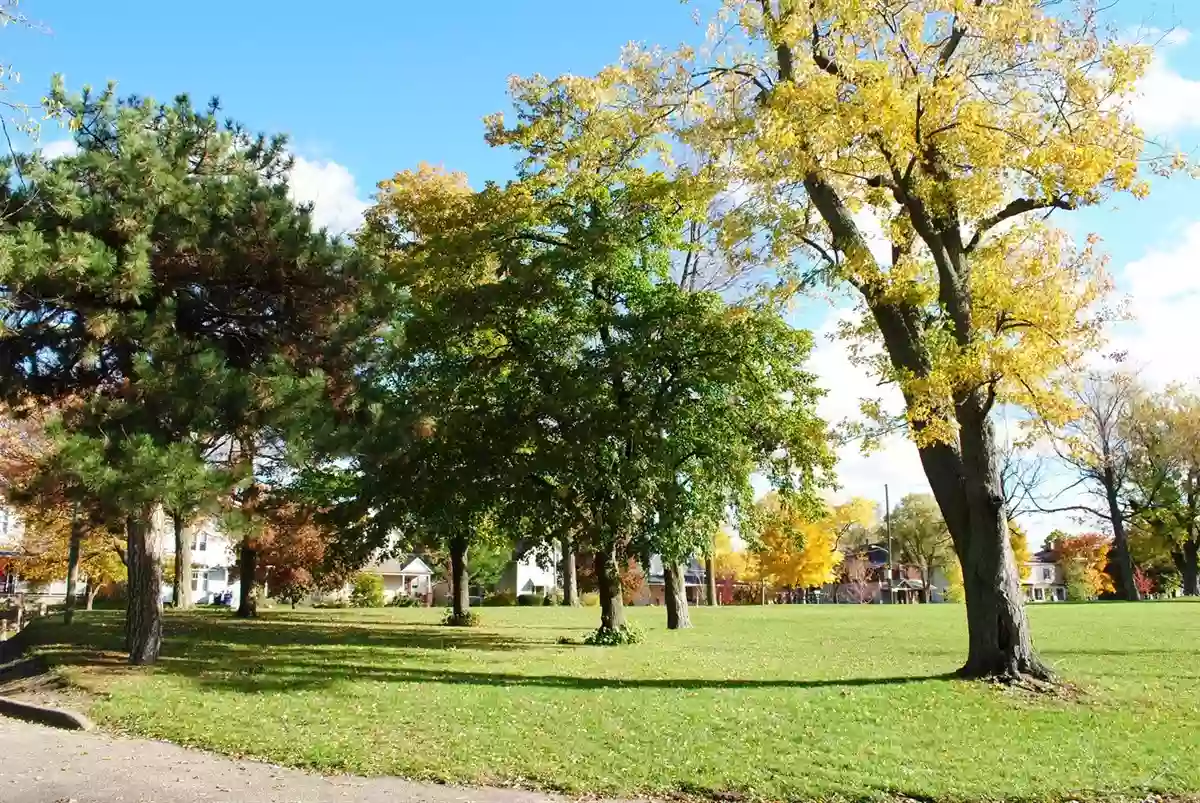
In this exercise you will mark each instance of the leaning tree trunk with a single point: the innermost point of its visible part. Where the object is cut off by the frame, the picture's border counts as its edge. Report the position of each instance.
(91, 591)
(608, 580)
(710, 580)
(181, 590)
(676, 597)
(460, 582)
(247, 569)
(1189, 567)
(569, 573)
(73, 547)
(143, 614)
(1120, 550)
(966, 483)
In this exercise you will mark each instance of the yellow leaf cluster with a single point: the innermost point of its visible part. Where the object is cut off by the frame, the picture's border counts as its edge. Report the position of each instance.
(795, 551)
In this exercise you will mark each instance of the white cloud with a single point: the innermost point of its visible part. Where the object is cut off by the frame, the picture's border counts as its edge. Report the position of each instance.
(332, 191)
(1164, 290)
(59, 148)
(895, 463)
(1166, 101)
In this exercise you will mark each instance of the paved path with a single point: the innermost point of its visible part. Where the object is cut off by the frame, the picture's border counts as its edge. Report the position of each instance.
(42, 765)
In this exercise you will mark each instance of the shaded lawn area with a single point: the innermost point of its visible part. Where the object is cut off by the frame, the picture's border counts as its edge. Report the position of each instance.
(807, 702)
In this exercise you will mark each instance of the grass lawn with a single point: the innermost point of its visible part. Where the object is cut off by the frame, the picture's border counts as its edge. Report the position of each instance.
(808, 702)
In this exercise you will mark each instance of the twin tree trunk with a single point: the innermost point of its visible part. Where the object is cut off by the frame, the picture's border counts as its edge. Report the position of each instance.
(1121, 556)
(181, 590)
(460, 581)
(710, 580)
(1188, 560)
(247, 569)
(143, 613)
(608, 580)
(675, 592)
(73, 548)
(570, 576)
(966, 483)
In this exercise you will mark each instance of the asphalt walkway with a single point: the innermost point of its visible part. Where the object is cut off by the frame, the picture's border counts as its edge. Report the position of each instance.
(44, 765)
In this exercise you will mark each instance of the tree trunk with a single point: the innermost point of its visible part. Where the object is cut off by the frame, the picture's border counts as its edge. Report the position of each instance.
(967, 487)
(73, 547)
(676, 597)
(570, 575)
(608, 580)
(143, 614)
(1190, 568)
(91, 592)
(1120, 551)
(247, 568)
(710, 580)
(181, 591)
(460, 581)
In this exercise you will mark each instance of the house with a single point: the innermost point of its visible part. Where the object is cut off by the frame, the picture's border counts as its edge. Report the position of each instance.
(405, 575)
(214, 555)
(533, 570)
(867, 576)
(653, 590)
(1046, 582)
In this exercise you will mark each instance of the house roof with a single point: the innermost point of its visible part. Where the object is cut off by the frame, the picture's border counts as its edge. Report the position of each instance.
(403, 564)
(693, 575)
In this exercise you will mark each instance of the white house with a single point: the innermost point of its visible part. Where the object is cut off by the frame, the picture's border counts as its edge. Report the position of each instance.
(404, 576)
(1045, 582)
(214, 554)
(532, 571)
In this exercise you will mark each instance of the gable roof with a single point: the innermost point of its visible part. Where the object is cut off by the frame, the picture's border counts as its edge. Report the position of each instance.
(403, 564)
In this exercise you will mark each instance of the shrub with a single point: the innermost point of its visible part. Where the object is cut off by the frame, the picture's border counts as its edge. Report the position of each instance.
(468, 619)
(500, 599)
(404, 601)
(608, 637)
(368, 591)
(529, 599)
(552, 599)
(1079, 587)
(332, 604)
(590, 600)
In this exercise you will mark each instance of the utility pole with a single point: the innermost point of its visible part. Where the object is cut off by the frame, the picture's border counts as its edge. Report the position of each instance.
(887, 518)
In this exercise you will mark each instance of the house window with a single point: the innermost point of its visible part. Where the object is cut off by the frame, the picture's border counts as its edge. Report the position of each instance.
(5, 520)
(200, 541)
(1038, 594)
(199, 580)
(1048, 574)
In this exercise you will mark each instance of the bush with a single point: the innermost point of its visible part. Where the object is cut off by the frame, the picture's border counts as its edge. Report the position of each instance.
(331, 604)
(608, 637)
(529, 600)
(552, 599)
(590, 600)
(500, 599)
(468, 619)
(368, 591)
(404, 601)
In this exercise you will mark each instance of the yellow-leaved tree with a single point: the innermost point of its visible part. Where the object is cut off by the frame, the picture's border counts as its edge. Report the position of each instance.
(911, 152)
(794, 550)
(1020, 548)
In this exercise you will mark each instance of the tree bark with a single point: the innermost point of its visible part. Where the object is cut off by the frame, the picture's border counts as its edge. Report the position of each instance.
(181, 591)
(143, 614)
(569, 573)
(710, 580)
(460, 580)
(608, 580)
(675, 593)
(247, 568)
(73, 548)
(967, 486)
(1120, 550)
(1189, 567)
(91, 592)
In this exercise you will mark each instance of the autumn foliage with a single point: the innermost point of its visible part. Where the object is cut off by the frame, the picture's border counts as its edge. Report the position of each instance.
(1088, 552)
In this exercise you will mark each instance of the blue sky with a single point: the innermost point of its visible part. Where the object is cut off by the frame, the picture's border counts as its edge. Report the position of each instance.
(368, 87)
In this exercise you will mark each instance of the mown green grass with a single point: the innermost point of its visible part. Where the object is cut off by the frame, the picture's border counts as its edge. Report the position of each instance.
(788, 702)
